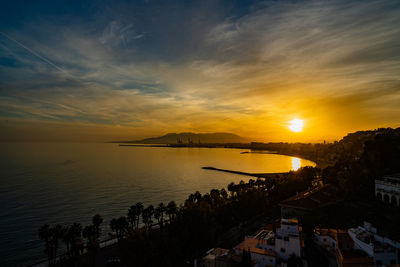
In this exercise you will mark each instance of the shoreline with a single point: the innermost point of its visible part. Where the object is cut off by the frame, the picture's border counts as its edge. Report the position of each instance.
(319, 163)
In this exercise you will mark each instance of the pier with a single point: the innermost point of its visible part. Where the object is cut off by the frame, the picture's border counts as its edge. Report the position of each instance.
(261, 175)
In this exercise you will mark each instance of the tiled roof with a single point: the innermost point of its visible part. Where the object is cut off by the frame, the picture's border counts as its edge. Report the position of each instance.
(251, 244)
(310, 199)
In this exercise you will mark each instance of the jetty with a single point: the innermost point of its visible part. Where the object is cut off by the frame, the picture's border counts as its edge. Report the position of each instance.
(261, 175)
(144, 145)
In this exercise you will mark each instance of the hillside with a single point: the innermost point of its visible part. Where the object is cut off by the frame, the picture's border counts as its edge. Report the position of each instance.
(185, 138)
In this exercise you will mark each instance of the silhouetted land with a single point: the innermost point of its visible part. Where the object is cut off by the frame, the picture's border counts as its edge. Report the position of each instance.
(175, 235)
(191, 138)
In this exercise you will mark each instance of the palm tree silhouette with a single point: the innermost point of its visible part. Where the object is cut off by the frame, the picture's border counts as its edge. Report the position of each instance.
(45, 235)
(161, 209)
(139, 208)
(97, 220)
(147, 216)
(231, 188)
(171, 210)
(132, 216)
(76, 239)
(90, 232)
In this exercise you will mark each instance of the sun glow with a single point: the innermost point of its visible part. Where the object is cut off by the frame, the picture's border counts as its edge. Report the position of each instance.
(296, 125)
(296, 164)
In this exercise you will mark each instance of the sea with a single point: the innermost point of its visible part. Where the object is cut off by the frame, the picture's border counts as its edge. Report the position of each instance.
(70, 182)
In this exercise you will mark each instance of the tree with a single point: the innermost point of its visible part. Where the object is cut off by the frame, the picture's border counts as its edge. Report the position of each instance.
(197, 196)
(75, 232)
(171, 210)
(139, 209)
(123, 225)
(159, 213)
(224, 194)
(132, 216)
(93, 242)
(97, 220)
(67, 239)
(157, 216)
(45, 235)
(231, 188)
(147, 216)
(51, 237)
(115, 227)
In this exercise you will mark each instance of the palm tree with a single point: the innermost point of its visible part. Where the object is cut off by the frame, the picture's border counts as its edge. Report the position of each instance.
(161, 207)
(157, 215)
(123, 226)
(259, 182)
(171, 210)
(97, 220)
(132, 215)
(190, 200)
(197, 196)
(75, 231)
(252, 183)
(93, 242)
(214, 194)
(139, 207)
(66, 238)
(114, 227)
(51, 236)
(231, 188)
(45, 235)
(147, 215)
(224, 194)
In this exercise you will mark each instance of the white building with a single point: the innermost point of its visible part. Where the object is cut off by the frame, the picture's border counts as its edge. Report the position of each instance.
(287, 241)
(267, 246)
(341, 248)
(387, 189)
(383, 250)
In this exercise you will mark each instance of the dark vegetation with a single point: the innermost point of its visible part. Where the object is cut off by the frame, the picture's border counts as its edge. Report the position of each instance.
(172, 235)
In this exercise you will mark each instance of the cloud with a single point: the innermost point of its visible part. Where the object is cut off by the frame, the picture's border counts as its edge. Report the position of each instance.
(167, 68)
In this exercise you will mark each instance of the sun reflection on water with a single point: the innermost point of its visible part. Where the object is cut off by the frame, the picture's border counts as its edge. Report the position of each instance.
(296, 164)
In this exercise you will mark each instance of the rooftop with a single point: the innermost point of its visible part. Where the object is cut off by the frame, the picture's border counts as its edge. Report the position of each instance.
(311, 199)
(333, 233)
(219, 252)
(392, 178)
(251, 244)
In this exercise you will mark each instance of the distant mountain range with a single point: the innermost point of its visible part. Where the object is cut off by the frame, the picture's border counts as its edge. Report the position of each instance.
(185, 138)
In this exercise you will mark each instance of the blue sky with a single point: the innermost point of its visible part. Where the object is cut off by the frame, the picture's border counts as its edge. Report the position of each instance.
(124, 69)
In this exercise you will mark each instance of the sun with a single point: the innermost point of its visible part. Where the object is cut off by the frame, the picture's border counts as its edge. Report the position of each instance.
(296, 125)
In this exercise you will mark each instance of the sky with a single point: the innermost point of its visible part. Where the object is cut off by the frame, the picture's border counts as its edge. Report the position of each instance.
(125, 70)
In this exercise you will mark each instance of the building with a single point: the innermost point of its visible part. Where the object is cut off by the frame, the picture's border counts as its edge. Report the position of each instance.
(216, 257)
(340, 247)
(259, 252)
(307, 201)
(269, 246)
(383, 250)
(387, 189)
(288, 240)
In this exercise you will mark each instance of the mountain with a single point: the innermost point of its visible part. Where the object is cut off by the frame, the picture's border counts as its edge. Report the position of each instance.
(185, 138)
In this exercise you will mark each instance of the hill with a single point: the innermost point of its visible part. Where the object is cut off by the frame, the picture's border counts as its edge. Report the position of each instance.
(185, 138)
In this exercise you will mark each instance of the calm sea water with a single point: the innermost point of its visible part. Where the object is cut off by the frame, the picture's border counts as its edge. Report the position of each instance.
(66, 183)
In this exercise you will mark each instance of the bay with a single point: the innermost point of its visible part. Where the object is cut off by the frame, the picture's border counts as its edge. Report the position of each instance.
(70, 182)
